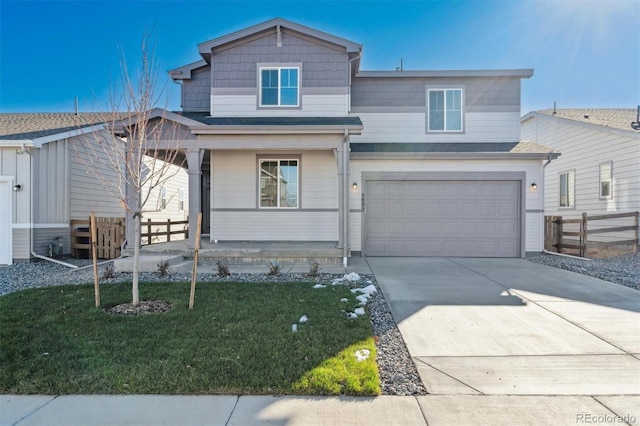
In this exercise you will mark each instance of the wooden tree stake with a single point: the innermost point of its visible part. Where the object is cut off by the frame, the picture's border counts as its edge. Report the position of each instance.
(94, 255)
(195, 262)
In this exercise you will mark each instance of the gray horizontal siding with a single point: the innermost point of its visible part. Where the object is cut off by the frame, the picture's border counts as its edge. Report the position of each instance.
(482, 94)
(42, 236)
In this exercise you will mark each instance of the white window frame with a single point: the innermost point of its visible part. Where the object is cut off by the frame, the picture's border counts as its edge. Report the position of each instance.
(180, 200)
(279, 160)
(570, 190)
(163, 198)
(280, 87)
(445, 90)
(609, 179)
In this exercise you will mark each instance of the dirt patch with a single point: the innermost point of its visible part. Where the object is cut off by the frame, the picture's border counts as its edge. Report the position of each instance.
(145, 307)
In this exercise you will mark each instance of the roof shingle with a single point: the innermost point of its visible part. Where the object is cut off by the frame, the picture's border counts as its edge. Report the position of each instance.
(29, 126)
(616, 118)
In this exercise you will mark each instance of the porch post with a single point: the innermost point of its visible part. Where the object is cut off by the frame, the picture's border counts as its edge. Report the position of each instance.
(194, 161)
(345, 203)
(338, 154)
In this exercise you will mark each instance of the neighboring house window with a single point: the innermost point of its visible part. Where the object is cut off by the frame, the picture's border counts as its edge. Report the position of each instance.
(445, 110)
(181, 200)
(279, 183)
(567, 189)
(606, 181)
(279, 86)
(163, 198)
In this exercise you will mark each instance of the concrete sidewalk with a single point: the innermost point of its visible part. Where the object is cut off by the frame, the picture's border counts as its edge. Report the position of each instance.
(432, 410)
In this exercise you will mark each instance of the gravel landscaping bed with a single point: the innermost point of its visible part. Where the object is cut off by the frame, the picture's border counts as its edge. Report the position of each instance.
(623, 270)
(398, 374)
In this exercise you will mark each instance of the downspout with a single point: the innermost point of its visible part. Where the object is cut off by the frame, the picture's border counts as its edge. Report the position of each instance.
(345, 200)
(31, 216)
(542, 228)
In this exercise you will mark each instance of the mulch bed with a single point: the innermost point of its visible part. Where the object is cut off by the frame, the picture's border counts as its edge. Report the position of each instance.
(145, 307)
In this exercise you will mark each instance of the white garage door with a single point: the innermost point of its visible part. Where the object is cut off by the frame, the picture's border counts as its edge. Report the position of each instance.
(443, 218)
(5, 223)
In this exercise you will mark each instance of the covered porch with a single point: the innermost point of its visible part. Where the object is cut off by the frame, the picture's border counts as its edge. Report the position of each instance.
(323, 252)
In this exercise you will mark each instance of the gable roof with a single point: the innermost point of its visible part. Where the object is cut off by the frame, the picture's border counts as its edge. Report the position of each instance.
(43, 127)
(614, 118)
(206, 47)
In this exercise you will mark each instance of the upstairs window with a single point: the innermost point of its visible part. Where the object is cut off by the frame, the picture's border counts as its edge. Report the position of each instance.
(445, 110)
(606, 181)
(279, 86)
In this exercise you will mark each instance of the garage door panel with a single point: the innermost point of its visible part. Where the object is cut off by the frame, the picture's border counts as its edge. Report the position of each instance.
(443, 218)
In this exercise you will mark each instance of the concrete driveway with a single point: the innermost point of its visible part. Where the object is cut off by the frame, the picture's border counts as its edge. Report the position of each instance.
(509, 326)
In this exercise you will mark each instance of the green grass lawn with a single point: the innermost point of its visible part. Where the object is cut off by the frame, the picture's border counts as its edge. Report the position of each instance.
(237, 340)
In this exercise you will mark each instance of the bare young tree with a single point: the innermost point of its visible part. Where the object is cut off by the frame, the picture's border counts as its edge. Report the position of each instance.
(133, 151)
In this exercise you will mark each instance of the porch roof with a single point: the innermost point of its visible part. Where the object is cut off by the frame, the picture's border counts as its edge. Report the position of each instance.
(251, 125)
(205, 118)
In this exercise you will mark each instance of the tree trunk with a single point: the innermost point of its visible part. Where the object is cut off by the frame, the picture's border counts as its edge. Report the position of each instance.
(136, 262)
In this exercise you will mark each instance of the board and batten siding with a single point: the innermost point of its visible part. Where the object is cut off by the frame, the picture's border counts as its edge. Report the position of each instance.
(51, 183)
(18, 166)
(583, 148)
(533, 216)
(234, 193)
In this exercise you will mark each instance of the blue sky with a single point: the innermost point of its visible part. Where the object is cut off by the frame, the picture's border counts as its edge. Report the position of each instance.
(584, 53)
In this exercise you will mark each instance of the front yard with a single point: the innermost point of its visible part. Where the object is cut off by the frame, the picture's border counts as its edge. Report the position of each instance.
(237, 340)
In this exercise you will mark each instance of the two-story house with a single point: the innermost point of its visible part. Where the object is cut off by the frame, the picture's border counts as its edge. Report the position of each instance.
(287, 139)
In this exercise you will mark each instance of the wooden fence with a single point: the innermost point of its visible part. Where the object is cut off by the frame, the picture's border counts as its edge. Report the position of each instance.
(555, 234)
(111, 235)
(160, 232)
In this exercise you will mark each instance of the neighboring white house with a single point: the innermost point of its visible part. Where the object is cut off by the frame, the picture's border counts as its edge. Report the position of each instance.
(599, 169)
(44, 183)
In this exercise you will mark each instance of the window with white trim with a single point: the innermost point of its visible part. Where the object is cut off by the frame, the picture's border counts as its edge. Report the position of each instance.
(181, 200)
(163, 198)
(279, 86)
(444, 110)
(606, 181)
(567, 189)
(279, 186)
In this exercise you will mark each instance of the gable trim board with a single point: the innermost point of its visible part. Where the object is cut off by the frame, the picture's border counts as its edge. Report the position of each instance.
(401, 230)
(6, 207)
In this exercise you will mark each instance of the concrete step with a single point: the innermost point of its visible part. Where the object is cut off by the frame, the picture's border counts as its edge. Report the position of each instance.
(148, 263)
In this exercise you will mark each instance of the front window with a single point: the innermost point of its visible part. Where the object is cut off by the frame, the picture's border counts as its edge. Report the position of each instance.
(567, 188)
(279, 183)
(445, 110)
(606, 181)
(279, 86)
